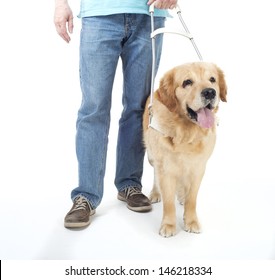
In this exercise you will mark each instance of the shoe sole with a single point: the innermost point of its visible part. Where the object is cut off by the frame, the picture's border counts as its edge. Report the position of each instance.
(146, 208)
(80, 224)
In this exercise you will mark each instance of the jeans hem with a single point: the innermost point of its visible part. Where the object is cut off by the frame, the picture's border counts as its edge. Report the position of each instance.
(128, 186)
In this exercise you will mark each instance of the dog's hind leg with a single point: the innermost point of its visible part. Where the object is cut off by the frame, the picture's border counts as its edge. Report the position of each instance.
(155, 195)
(181, 195)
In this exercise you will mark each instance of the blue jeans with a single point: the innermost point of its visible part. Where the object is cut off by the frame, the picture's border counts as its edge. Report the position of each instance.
(103, 40)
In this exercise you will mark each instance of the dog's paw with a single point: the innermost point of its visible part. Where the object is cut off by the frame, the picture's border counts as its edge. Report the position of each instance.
(167, 230)
(192, 226)
(155, 197)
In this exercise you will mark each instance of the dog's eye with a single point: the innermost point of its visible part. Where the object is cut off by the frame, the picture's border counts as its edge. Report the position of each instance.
(212, 80)
(187, 83)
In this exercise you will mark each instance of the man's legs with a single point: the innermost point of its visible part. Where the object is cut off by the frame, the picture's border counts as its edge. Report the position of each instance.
(103, 40)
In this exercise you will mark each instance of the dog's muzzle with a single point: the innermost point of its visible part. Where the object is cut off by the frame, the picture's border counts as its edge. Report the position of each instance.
(204, 116)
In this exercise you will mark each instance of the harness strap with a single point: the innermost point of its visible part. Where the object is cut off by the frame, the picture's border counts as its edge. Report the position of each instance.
(153, 123)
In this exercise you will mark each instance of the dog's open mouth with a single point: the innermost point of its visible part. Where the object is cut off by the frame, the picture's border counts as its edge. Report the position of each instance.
(204, 116)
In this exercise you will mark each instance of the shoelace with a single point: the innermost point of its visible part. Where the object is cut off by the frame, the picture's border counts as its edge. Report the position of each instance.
(81, 203)
(132, 191)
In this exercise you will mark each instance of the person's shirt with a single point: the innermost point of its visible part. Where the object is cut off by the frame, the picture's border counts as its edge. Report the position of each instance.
(90, 8)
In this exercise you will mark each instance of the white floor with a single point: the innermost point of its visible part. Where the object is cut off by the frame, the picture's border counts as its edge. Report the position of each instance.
(39, 99)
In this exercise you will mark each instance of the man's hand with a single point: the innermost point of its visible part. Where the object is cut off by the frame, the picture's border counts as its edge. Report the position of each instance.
(63, 19)
(163, 4)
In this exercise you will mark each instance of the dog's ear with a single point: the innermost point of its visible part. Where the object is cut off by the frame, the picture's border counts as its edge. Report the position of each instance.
(166, 91)
(222, 85)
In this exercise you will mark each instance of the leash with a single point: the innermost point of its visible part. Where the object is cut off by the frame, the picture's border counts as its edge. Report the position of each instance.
(152, 122)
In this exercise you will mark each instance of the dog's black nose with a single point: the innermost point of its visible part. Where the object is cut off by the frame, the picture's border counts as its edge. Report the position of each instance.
(208, 93)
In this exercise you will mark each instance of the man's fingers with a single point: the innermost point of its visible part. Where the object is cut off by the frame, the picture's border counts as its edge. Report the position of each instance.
(62, 32)
(70, 25)
(163, 4)
(61, 28)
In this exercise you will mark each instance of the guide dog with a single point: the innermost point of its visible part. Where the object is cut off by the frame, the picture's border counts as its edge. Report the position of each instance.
(181, 136)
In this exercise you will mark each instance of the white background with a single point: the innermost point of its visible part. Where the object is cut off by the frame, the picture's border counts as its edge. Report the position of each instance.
(40, 96)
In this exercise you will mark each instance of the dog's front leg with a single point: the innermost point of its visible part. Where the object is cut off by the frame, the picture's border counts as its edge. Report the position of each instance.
(191, 223)
(168, 188)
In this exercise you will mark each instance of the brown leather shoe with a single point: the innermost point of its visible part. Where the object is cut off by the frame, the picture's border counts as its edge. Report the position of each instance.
(136, 200)
(80, 214)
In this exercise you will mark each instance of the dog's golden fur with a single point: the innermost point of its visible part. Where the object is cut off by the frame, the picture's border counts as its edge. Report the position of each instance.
(181, 143)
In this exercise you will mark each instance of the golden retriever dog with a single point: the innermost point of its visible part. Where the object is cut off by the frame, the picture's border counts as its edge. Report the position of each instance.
(181, 136)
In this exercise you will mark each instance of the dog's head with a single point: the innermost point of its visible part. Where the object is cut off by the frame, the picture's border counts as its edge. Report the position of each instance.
(194, 90)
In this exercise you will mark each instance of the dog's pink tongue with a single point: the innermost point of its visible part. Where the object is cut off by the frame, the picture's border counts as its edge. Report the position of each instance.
(205, 118)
